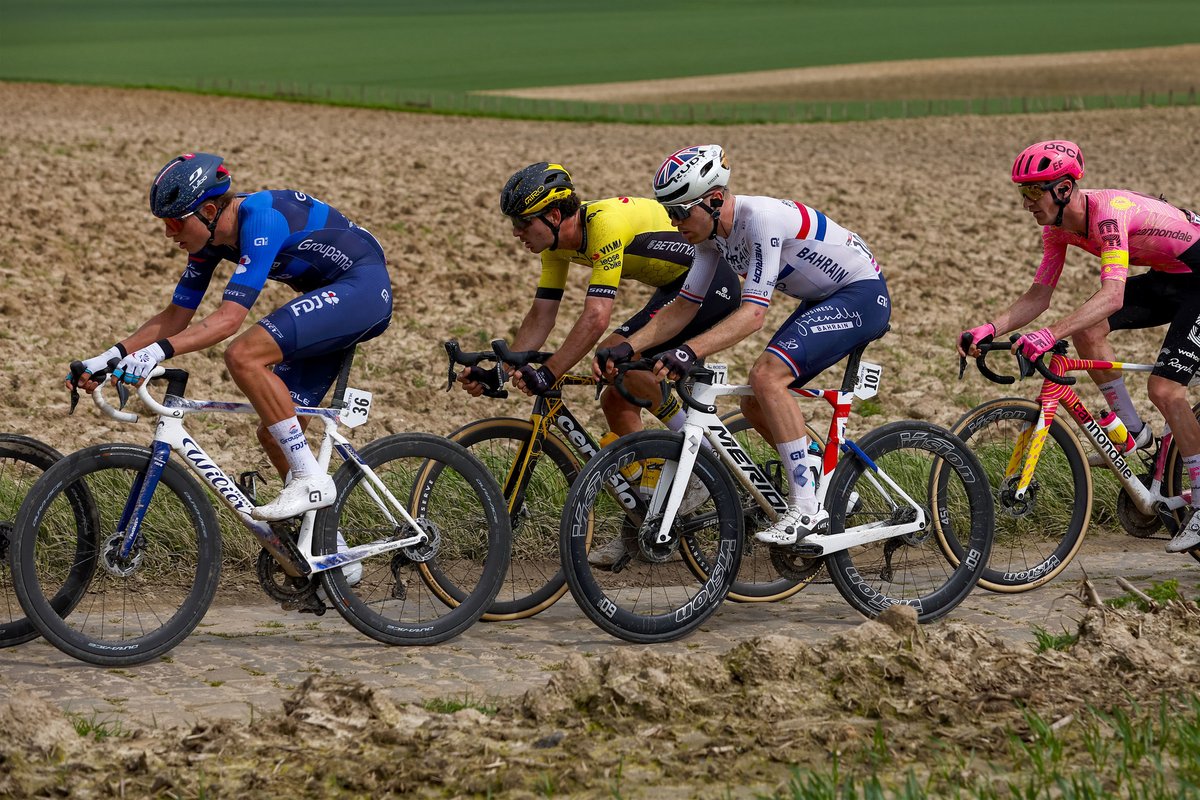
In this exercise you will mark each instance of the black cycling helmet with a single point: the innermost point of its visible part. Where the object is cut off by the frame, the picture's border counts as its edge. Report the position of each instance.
(534, 190)
(186, 182)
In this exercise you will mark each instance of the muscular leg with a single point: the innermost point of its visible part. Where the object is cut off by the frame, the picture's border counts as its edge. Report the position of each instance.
(1171, 399)
(783, 419)
(250, 358)
(1093, 343)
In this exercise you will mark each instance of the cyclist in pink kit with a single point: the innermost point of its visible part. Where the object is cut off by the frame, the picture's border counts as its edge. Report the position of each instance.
(1123, 228)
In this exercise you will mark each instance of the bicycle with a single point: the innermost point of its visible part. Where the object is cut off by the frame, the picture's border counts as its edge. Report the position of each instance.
(412, 551)
(886, 496)
(537, 459)
(22, 461)
(1040, 477)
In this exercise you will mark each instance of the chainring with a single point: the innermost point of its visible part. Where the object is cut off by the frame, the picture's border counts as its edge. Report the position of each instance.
(287, 589)
(793, 566)
(1134, 521)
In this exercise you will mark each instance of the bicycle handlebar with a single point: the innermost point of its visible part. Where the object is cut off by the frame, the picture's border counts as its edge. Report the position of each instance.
(1025, 366)
(680, 385)
(518, 358)
(492, 379)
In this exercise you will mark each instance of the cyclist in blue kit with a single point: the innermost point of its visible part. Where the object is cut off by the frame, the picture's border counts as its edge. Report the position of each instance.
(293, 355)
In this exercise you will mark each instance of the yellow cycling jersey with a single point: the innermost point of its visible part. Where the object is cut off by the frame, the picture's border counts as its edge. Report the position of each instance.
(628, 237)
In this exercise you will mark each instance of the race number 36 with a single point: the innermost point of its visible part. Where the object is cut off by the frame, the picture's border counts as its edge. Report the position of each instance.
(356, 409)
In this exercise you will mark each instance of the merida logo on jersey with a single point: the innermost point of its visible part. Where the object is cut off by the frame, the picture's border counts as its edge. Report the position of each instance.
(824, 263)
(307, 304)
(339, 258)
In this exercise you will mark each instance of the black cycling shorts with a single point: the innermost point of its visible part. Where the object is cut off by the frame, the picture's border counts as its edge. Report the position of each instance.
(723, 297)
(1159, 298)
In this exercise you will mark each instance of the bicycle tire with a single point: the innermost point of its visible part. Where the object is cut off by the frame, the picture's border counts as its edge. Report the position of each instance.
(934, 468)
(1038, 537)
(22, 461)
(652, 594)
(418, 595)
(168, 583)
(758, 581)
(535, 579)
(1174, 477)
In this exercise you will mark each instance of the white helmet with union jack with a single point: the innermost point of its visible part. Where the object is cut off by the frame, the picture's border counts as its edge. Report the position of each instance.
(690, 173)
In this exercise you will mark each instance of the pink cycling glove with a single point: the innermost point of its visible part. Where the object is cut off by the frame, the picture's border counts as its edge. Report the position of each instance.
(979, 335)
(1032, 345)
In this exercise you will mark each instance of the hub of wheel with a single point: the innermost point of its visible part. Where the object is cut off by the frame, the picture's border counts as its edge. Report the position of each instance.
(647, 542)
(112, 561)
(427, 550)
(1013, 507)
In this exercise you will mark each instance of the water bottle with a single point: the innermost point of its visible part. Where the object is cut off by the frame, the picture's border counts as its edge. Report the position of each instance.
(632, 472)
(1118, 434)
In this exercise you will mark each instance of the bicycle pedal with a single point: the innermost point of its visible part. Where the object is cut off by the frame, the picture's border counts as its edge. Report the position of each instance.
(807, 550)
(248, 483)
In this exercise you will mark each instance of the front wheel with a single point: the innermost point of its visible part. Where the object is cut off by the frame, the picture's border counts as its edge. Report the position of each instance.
(667, 582)
(129, 607)
(428, 592)
(899, 475)
(1037, 535)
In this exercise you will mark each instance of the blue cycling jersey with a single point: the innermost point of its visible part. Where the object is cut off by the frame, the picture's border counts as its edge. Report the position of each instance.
(285, 236)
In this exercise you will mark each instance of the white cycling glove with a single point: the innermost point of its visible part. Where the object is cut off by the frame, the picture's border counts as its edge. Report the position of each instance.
(97, 363)
(136, 366)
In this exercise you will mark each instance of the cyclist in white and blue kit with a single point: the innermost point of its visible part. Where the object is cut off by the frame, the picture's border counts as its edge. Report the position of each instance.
(777, 246)
(293, 355)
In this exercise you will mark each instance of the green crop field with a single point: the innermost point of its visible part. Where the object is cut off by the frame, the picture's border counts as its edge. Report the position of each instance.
(464, 45)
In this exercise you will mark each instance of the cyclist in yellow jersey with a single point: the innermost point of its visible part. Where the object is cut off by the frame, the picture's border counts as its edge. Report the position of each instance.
(620, 237)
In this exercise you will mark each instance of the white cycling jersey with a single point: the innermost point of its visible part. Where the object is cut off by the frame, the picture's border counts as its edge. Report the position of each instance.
(785, 245)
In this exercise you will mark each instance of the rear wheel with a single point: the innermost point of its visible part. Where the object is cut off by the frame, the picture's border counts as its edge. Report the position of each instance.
(22, 462)
(1176, 482)
(429, 592)
(935, 477)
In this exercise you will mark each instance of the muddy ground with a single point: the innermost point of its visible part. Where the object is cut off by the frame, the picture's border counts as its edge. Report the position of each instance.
(82, 262)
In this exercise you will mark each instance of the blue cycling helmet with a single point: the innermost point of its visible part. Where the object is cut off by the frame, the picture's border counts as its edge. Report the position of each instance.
(186, 182)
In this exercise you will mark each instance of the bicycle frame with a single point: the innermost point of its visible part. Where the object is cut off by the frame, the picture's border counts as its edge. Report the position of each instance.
(1148, 500)
(552, 409)
(706, 424)
(170, 435)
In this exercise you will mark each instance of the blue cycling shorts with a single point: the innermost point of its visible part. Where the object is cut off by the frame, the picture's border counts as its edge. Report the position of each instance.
(821, 333)
(315, 330)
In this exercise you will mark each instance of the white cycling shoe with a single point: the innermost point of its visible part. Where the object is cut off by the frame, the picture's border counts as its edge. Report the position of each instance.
(1187, 537)
(793, 526)
(299, 496)
(1143, 439)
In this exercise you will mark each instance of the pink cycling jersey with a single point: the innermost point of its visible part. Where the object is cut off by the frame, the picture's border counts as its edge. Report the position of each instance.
(1124, 228)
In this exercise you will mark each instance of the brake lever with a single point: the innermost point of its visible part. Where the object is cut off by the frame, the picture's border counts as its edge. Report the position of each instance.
(76, 371)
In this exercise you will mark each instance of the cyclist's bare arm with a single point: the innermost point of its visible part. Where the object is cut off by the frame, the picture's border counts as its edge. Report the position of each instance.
(747, 320)
(1099, 307)
(167, 322)
(583, 336)
(534, 331)
(1024, 310)
(216, 327)
(670, 320)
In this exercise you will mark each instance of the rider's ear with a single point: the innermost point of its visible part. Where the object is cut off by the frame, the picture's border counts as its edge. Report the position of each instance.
(1064, 190)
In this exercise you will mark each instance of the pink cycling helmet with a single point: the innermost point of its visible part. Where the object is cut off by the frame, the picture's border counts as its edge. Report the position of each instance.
(1048, 161)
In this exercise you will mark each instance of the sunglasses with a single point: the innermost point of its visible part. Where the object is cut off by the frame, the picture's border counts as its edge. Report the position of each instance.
(175, 224)
(1034, 191)
(682, 211)
(521, 223)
